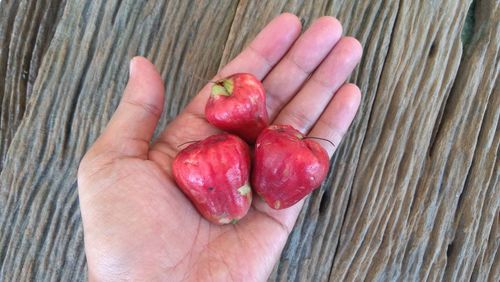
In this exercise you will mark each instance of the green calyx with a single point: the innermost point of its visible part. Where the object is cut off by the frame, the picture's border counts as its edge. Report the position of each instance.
(223, 87)
(244, 190)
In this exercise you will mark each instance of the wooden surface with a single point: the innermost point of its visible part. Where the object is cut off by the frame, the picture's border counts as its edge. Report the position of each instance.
(413, 193)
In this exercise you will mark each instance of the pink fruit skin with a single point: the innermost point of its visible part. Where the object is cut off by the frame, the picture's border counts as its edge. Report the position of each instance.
(287, 167)
(214, 174)
(242, 109)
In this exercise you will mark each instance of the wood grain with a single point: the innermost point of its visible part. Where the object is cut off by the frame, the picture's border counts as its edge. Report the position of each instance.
(80, 81)
(26, 29)
(413, 192)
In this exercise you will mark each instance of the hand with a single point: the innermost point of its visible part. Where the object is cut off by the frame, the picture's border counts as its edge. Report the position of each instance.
(138, 225)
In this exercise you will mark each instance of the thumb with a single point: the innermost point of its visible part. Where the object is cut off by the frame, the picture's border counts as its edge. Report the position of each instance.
(132, 126)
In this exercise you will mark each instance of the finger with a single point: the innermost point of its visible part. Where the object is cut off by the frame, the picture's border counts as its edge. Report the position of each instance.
(134, 121)
(337, 117)
(306, 107)
(305, 55)
(268, 47)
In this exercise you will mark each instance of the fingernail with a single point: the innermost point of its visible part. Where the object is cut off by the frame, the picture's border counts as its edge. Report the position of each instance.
(131, 67)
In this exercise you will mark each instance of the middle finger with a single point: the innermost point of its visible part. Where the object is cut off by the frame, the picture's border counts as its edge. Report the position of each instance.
(306, 54)
(307, 105)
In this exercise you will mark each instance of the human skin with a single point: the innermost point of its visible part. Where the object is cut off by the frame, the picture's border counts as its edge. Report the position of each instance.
(139, 226)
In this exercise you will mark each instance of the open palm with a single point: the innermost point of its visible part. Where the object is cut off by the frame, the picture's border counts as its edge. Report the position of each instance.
(138, 225)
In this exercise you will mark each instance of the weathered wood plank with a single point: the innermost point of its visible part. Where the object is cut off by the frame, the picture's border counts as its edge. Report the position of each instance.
(403, 201)
(250, 17)
(80, 81)
(413, 193)
(412, 87)
(26, 28)
(406, 94)
(372, 23)
(470, 121)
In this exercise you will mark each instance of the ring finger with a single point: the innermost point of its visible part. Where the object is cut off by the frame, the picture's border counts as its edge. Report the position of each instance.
(305, 108)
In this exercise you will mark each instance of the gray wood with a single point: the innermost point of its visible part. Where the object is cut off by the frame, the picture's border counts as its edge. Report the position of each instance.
(26, 29)
(80, 81)
(413, 193)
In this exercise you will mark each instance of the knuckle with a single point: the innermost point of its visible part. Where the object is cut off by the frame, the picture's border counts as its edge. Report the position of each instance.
(149, 108)
(274, 103)
(93, 162)
(301, 64)
(299, 119)
(335, 132)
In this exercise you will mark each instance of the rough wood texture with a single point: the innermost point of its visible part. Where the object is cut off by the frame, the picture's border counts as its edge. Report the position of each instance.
(26, 29)
(413, 193)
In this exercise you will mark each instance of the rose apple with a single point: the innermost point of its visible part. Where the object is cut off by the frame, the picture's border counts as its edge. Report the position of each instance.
(286, 166)
(237, 104)
(214, 174)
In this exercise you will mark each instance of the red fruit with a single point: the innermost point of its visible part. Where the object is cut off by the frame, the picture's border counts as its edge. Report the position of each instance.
(214, 174)
(287, 167)
(237, 104)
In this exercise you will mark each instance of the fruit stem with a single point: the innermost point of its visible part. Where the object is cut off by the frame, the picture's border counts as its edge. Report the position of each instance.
(319, 138)
(187, 143)
(223, 87)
